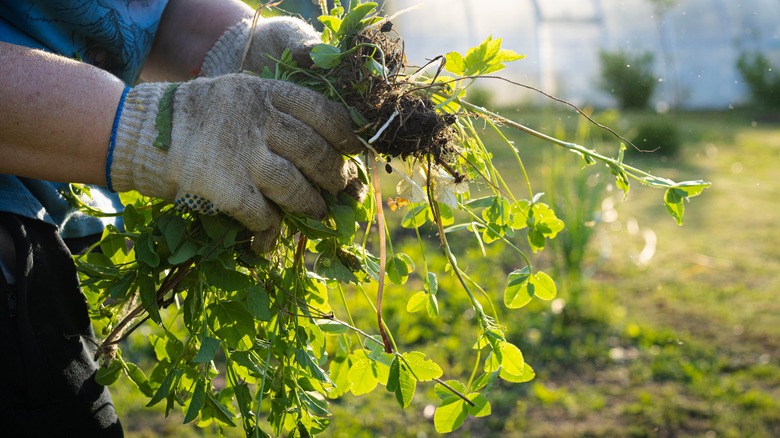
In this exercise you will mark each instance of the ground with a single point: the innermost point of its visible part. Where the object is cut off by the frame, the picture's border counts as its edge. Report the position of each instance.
(686, 344)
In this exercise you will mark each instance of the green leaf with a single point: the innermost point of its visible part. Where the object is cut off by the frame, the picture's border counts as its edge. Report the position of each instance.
(432, 284)
(315, 405)
(233, 323)
(184, 252)
(536, 239)
(345, 218)
(450, 415)
(220, 228)
(483, 202)
(145, 252)
(164, 120)
(621, 178)
(542, 224)
(311, 228)
(330, 266)
(415, 216)
(432, 306)
(394, 375)
(693, 188)
(339, 374)
(244, 399)
(107, 375)
(445, 393)
(481, 406)
(376, 68)
(258, 303)
(406, 387)
(208, 349)
(224, 278)
(675, 197)
(545, 220)
(306, 361)
(111, 244)
(526, 375)
(332, 327)
(498, 213)
(174, 229)
(486, 380)
(417, 302)
(398, 268)
(330, 22)
(138, 377)
(488, 57)
(517, 293)
(421, 367)
(197, 402)
(121, 288)
(674, 200)
(511, 358)
(521, 211)
(359, 120)
(325, 55)
(166, 347)
(132, 218)
(362, 376)
(351, 22)
(165, 387)
(455, 63)
(147, 290)
(218, 410)
(543, 286)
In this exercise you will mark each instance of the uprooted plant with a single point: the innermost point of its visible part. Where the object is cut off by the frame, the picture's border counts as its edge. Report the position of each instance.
(265, 324)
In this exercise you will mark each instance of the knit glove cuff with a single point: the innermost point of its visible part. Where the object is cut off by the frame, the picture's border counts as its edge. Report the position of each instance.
(228, 52)
(136, 164)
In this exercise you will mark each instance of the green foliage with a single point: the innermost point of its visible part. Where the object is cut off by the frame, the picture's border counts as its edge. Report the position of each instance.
(761, 77)
(659, 136)
(628, 78)
(267, 328)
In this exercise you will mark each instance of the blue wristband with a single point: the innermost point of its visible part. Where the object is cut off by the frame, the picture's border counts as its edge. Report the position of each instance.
(112, 141)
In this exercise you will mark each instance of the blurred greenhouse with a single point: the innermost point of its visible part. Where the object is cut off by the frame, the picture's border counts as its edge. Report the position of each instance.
(695, 43)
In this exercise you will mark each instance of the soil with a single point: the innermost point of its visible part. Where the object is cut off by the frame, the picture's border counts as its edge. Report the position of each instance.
(417, 130)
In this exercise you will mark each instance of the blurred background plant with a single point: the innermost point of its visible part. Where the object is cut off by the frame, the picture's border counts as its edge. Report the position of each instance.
(628, 77)
(659, 136)
(761, 77)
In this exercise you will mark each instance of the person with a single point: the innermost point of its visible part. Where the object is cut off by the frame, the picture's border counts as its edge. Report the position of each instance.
(145, 96)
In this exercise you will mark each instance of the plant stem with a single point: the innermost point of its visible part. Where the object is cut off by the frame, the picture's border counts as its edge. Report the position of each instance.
(638, 174)
(380, 219)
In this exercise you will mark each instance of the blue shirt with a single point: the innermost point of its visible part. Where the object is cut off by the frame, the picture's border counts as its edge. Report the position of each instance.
(110, 34)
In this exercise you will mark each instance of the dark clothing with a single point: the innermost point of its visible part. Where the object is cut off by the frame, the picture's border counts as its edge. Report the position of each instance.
(48, 384)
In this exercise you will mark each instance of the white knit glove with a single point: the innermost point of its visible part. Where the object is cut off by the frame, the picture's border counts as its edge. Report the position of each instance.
(272, 36)
(241, 145)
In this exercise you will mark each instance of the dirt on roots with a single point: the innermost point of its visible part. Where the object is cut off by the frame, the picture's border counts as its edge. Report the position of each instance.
(417, 129)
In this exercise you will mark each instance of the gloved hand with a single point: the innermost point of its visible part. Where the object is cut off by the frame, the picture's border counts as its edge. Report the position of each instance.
(271, 37)
(238, 144)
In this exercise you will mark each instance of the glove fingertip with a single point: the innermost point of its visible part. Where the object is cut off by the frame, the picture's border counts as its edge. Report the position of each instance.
(265, 241)
(356, 189)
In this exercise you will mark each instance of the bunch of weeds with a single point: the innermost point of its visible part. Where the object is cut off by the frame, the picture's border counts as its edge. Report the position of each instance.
(266, 326)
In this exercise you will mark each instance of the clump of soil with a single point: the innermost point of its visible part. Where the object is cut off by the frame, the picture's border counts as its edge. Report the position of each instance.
(417, 129)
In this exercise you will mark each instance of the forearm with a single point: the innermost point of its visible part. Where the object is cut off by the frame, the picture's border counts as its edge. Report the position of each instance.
(56, 116)
(188, 29)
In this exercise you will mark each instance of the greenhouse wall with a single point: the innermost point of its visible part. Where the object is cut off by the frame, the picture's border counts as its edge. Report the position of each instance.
(695, 43)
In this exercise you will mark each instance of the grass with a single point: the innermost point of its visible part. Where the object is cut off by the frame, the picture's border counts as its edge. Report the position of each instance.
(687, 344)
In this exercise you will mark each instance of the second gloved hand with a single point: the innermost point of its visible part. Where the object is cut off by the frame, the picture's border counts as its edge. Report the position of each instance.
(270, 38)
(238, 144)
